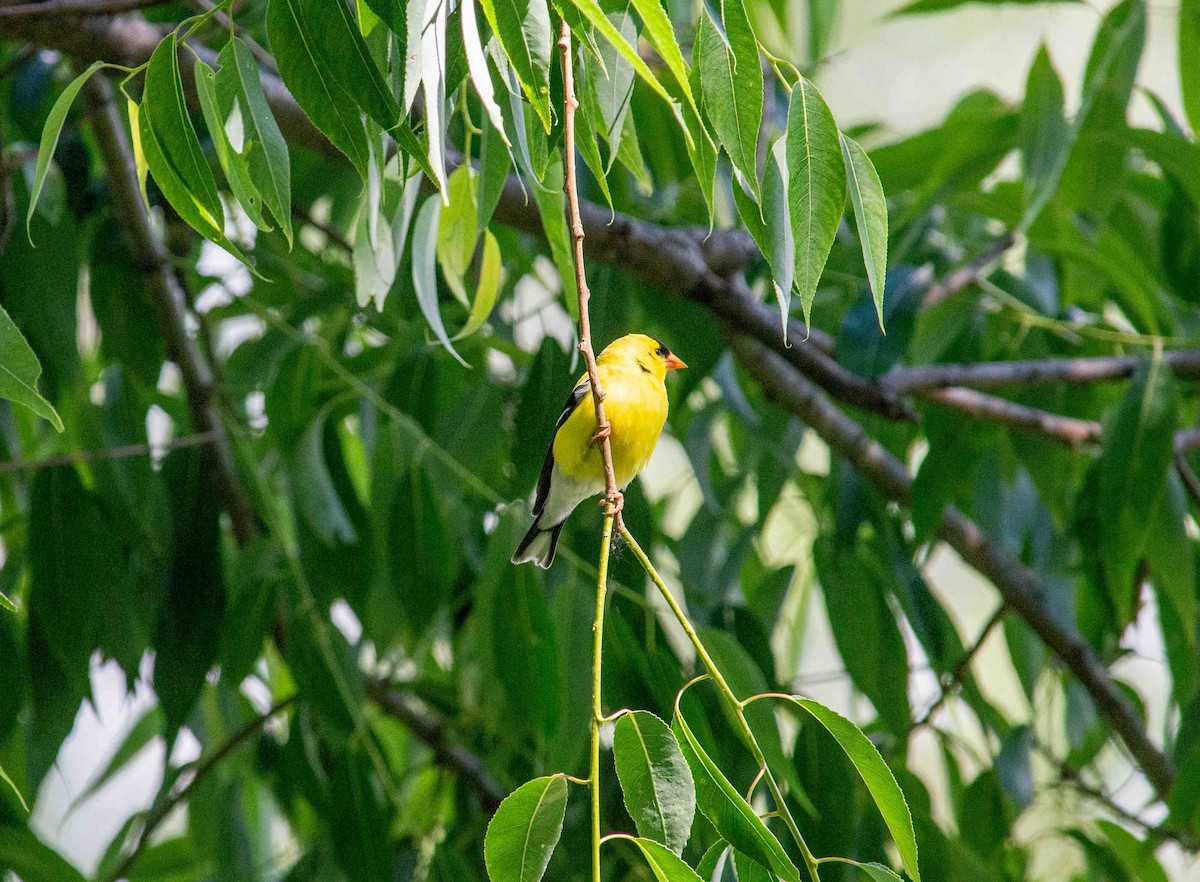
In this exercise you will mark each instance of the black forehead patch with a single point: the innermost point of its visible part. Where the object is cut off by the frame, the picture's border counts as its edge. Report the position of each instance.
(662, 351)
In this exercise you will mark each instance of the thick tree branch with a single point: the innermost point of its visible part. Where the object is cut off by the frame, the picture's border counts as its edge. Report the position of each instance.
(1022, 590)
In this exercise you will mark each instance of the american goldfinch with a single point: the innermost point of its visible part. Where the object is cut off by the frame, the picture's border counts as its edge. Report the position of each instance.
(632, 372)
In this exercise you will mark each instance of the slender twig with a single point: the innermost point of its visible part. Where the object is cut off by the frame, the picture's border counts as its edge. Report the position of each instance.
(612, 500)
(736, 707)
(570, 104)
(125, 451)
(159, 814)
(1071, 431)
(961, 669)
(75, 7)
(969, 273)
(470, 769)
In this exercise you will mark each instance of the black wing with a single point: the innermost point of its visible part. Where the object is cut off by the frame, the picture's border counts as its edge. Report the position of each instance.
(543, 485)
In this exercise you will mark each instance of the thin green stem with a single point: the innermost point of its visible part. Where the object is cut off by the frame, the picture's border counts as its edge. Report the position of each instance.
(735, 705)
(597, 708)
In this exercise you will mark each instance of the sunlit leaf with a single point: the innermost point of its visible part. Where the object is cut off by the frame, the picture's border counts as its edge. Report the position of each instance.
(19, 372)
(870, 215)
(424, 270)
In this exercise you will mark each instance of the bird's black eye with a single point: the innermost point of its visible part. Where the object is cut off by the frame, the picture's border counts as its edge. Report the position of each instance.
(662, 351)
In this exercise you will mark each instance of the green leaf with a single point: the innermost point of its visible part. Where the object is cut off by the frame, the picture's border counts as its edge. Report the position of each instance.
(920, 7)
(7, 779)
(1046, 136)
(816, 186)
(19, 372)
(306, 74)
(424, 270)
(494, 162)
(664, 863)
(491, 272)
(525, 829)
(552, 207)
(585, 141)
(732, 85)
(523, 29)
(240, 95)
(148, 727)
(880, 781)
(655, 779)
(595, 15)
(661, 35)
(237, 173)
(477, 66)
(457, 231)
(1133, 473)
(139, 154)
(24, 854)
(433, 68)
(419, 551)
(875, 872)
(780, 249)
(1189, 60)
(870, 214)
(733, 817)
(172, 150)
(50, 132)
(338, 41)
(1171, 554)
(608, 86)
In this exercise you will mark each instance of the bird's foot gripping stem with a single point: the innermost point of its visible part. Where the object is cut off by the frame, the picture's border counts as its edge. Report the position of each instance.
(603, 431)
(613, 505)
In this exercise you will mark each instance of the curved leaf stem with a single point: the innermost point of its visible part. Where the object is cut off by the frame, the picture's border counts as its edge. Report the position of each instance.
(737, 706)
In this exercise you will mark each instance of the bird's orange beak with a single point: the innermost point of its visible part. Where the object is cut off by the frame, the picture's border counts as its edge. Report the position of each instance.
(674, 362)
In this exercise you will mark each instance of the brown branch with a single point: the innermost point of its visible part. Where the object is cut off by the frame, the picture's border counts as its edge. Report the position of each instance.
(1071, 431)
(969, 273)
(432, 731)
(236, 740)
(1020, 587)
(170, 303)
(612, 494)
(124, 451)
(999, 374)
(74, 7)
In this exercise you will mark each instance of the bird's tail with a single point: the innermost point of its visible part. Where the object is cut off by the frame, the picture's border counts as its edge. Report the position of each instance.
(538, 545)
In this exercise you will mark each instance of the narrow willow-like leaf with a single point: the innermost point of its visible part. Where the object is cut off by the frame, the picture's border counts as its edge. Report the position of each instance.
(433, 83)
(585, 140)
(424, 270)
(458, 231)
(263, 146)
(728, 811)
(491, 272)
(495, 159)
(1133, 474)
(661, 34)
(816, 186)
(309, 80)
(148, 727)
(523, 29)
(164, 112)
(477, 66)
(24, 854)
(875, 872)
(870, 214)
(139, 154)
(338, 41)
(1046, 135)
(50, 133)
(655, 779)
(236, 171)
(1189, 60)
(608, 86)
(780, 247)
(19, 371)
(552, 207)
(732, 85)
(524, 831)
(593, 13)
(880, 781)
(665, 864)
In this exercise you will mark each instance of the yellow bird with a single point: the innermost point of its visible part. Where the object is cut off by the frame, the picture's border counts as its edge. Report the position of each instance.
(632, 372)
